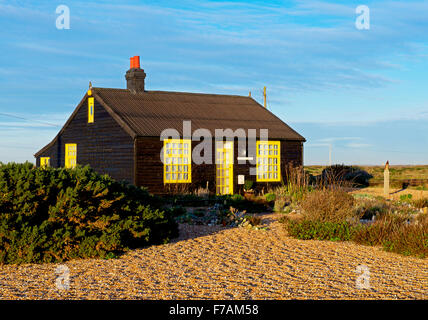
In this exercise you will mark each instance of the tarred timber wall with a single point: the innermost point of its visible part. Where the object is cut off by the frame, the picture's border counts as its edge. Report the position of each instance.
(104, 145)
(149, 168)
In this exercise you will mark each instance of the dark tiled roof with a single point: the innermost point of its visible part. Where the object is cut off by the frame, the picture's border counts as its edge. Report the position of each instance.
(150, 112)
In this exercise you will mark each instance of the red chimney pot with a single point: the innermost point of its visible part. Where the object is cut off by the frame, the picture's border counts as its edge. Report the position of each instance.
(135, 62)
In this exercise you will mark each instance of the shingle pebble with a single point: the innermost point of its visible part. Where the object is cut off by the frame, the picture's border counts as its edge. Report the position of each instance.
(215, 262)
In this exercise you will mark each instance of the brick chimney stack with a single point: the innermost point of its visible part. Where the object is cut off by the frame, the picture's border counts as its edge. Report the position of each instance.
(135, 76)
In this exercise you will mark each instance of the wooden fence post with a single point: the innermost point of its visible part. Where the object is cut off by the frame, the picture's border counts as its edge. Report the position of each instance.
(386, 180)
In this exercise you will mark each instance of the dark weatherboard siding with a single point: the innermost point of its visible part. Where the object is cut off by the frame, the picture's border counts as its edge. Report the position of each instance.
(149, 168)
(104, 145)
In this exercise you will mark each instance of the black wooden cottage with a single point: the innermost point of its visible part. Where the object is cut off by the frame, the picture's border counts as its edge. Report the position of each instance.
(118, 132)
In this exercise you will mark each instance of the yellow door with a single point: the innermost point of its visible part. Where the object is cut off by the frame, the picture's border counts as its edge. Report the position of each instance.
(70, 155)
(224, 167)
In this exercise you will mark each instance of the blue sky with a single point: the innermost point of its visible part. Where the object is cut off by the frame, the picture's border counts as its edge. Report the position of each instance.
(365, 92)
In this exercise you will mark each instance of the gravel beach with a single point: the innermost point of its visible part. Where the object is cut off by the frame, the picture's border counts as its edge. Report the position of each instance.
(214, 262)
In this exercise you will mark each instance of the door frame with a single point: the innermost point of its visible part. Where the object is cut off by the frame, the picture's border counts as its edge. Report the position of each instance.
(226, 148)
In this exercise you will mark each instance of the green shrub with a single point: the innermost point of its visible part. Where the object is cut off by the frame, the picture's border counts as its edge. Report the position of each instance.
(353, 175)
(406, 197)
(248, 184)
(308, 230)
(241, 203)
(367, 209)
(53, 215)
(177, 211)
(270, 197)
(237, 198)
(186, 199)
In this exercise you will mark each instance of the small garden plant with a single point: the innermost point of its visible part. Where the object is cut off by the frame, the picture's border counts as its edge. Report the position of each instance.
(248, 184)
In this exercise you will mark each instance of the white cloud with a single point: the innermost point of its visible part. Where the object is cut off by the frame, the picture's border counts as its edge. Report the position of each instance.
(333, 139)
(358, 145)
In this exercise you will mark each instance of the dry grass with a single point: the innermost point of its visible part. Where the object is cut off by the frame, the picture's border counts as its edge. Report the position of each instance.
(397, 233)
(328, 205)
(297, 181)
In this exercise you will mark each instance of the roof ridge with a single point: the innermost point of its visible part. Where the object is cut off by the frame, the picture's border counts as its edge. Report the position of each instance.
(177, 92)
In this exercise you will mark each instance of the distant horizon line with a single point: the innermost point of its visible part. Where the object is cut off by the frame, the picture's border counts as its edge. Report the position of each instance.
(366, 165)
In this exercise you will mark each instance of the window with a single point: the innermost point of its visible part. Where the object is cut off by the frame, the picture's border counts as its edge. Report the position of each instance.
(177, 161)
(91, 110)
(70, 155)
(268, 161)
(45, 162)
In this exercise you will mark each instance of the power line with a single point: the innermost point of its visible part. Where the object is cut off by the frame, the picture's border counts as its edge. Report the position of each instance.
(383, 150)
(27, 119)
(371, 149)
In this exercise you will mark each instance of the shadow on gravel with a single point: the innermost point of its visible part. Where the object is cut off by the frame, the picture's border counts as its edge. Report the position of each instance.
(192, 231)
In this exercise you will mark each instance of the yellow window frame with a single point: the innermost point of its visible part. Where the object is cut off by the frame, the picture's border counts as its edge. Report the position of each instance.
(268, 161)
(224, 167)
(70, 155)
(177, 167)
(45, 162)
(91, 110)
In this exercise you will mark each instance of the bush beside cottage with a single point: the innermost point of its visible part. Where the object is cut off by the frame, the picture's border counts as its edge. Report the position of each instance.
(53, 215)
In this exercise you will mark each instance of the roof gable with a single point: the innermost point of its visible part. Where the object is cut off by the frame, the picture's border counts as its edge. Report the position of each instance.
(150, 112)
(73, 115)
